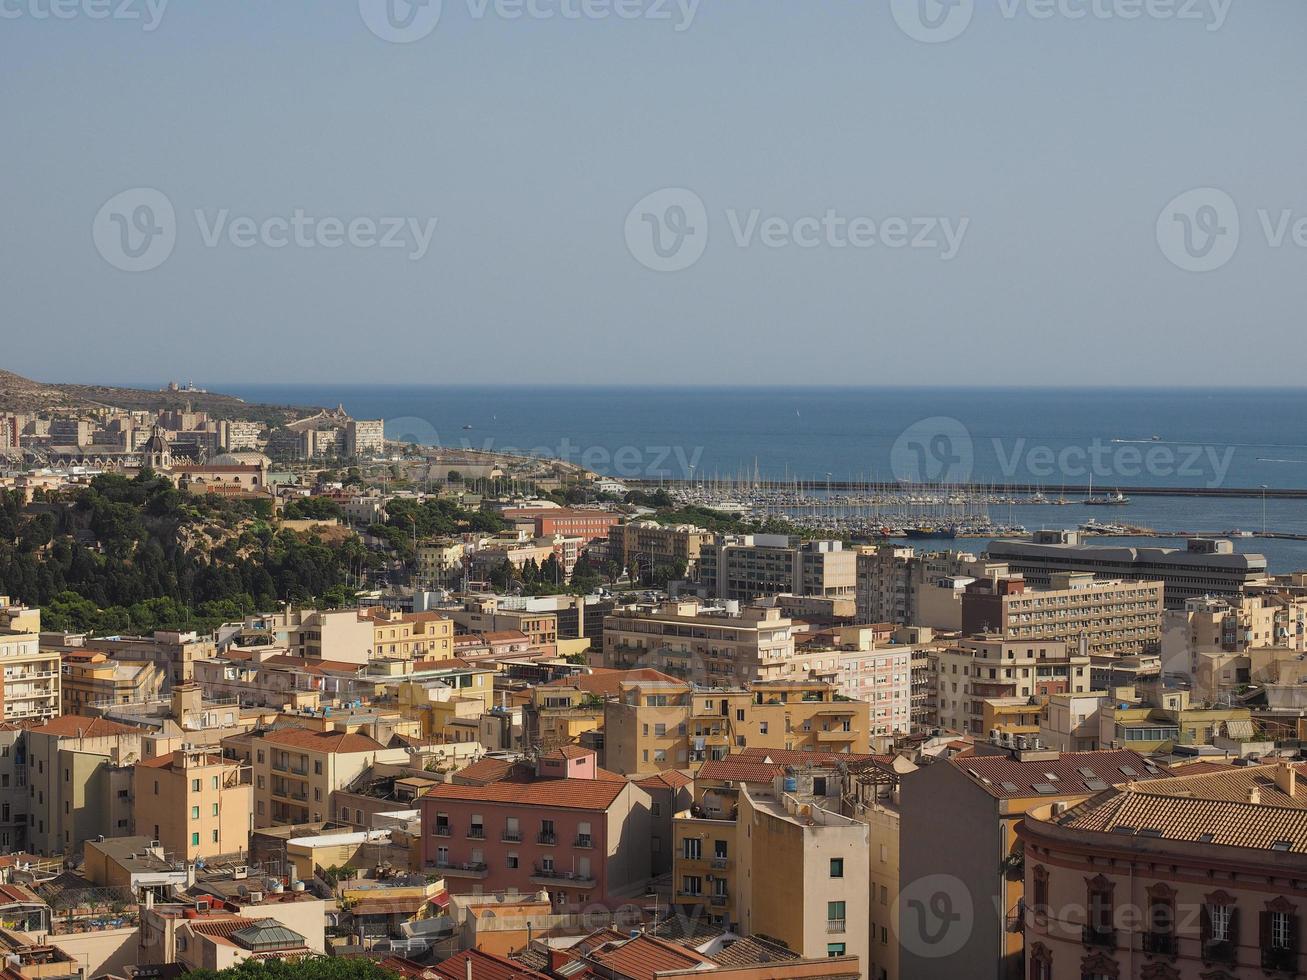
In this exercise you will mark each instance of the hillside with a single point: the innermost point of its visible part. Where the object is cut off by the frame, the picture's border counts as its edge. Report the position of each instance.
(19, 394)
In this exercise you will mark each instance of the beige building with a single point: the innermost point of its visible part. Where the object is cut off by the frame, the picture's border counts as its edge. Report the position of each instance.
(1265, 619)
(195, 803)
(1187, 878)
(486, 614)
(644, 545)
(1108, 619)
(751, 566)
(92, 680)
(713, 647)
(410, 636)
(174, 652)
(980, 668)
(80, 780)
(439, 564)
(897, 585)
(1069, 722)
(30, 686)
(296, 770)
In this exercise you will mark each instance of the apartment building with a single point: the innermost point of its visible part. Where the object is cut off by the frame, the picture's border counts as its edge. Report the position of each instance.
(365, 437)
(440, 564)
(866, 668)
(1261, 619)
(30, 686)
(1155, 719)
(569, 828)
(988, 793)
(715, 647)
(488, 614)
(748, 567)
(173, 651)
(897, 585)
(644, 545)
(1107, 619)
(15, 616)
(79, 776)
(92, 680)
(409, 636)
(1189, 877)
(980, 668)
(657, 723)
(13, 787)
(1069, 722)
(1205, 567)
(588, 525)
(295, 770)
(194, 802)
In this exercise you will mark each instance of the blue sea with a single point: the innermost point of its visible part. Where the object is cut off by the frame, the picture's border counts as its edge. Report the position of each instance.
(1053, 437)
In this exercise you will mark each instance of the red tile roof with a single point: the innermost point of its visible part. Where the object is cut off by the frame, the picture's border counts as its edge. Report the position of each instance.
(740, 769)
(485, 966)
(992, 772)
(668, 779)
(608, 683)
(794, 757)
(564, 794)
(483, 771)
(77, 726)
(305, 738)
(644, 957)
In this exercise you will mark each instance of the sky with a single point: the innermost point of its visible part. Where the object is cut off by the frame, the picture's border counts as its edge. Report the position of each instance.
(655, 191)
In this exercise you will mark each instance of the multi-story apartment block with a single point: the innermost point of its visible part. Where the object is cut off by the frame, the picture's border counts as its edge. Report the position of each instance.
(295, 770)
(979, 873)
(30, 686)
(409, 636)
(748, 567)
(657, 723)
(1157, 719)
(236, 436)
(588, 525)
(1106, 619)
(14, 803)
(897, 585)
(92, 680)
(980, 668)
(439, 564)
(1205, 567)
(642, 546)
(1069, 722)
(570, 828)
(1261, 619)
(365, 437)
(79, 776)
(194, 802)
(488, 614)
(1188, 877)
(725, 647)
(175, 652)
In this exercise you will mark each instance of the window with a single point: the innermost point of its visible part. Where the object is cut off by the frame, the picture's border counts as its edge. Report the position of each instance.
(1099, 930)
(215, 837)
(215, 809)
(195, 785)
(656, 809)
(214, 782)
(691, 885)
(195, 840)
(1039, 900)
(834, 916)
(511, 860)
(317, 767)
(195, 813)
(837, 867)
(156, 787)
(835, 949)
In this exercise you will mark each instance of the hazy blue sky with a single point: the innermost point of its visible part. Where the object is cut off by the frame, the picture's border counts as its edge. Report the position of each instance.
(1050, 145)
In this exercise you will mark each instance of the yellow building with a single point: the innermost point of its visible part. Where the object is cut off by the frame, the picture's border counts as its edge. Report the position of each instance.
(30, 685)
(195, 803)
(410, 636)
(92, 679)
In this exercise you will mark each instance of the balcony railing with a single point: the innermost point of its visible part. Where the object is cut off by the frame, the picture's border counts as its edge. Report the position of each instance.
(1220, 951)
(511, 837)
(720, 863)
(719, 900)
(553, 876)
(834, 926)
(442, 830)
(476, 833)
(1160, 943)
(545, 837)
(583, 840)
(1096, 936)
(466, 869)
(1280, 959)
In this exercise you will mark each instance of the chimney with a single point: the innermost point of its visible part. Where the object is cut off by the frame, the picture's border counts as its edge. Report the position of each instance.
(467, 967)
(1286, 777)
(1254, 795)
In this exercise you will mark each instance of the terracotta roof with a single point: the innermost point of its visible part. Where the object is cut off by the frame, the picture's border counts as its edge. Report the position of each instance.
(644, 957)
(569, 752)
(452, 663)
(608, 683)
(504, 636)
(1074, 773)
(486, 770)
(1233, 784)
(305, 738)
(220, 927)
(313, 666)
(74, 726)
(740, 769)
(753, 951)
(667, 779)
(794, 757)
(565, 794)
(485, 966)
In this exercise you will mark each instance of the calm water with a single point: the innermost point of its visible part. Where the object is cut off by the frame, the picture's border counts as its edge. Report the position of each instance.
(1052, 437)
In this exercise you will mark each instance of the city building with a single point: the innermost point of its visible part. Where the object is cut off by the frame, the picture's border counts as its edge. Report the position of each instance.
(1233, 625)
(751, 566)
(897, 585)
(30, 686)
(365, 437)
(194, 802)
(568, 828)
(1206, 567)
(1106, 619)
(987, 792)
(91, 680)
(642, 546)
(1190, 877)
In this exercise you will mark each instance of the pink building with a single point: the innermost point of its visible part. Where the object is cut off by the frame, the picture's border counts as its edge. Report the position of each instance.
(568, 827)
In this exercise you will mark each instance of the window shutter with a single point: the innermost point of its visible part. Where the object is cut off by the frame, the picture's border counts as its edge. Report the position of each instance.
(1264, 937)
(1234, 926)
(1293, 934)
(1205, 923)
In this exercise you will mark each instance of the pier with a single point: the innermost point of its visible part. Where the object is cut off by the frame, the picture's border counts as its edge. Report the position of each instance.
(1067, 490)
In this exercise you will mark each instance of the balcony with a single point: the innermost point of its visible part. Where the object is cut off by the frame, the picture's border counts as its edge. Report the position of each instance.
(720, 863)
(1100, 937)
(1280, 960)
(511, 837)
(837, 736)
(834, 926)
(1220, 951)
(442, 830)
(1160, 943)
(476, 833)
(683, 895)
(720, 901)
(583, 840)
(553, 876)
(466, 869)
(546, 837)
